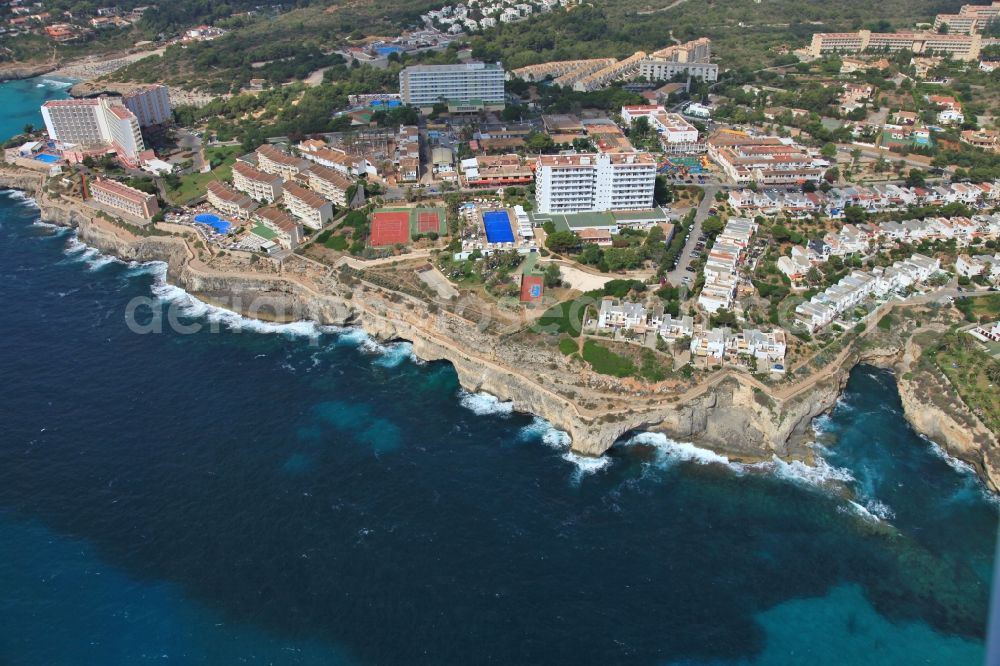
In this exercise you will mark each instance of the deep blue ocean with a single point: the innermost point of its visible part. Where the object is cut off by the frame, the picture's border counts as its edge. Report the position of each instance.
(261, 494)
(22, 99)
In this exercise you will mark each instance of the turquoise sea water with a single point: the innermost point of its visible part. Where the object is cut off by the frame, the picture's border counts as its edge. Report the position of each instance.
(22, 100)
(296, 495)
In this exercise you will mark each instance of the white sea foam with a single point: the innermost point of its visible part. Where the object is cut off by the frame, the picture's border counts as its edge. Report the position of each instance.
(77, 252)
(821, 474)
(99, 261)
(964, 469)
(23, 198)
(395, 354)
(192, 307)
(670, 451)
(483, 403)
(545, 432)
(136, 268)
(585, 465)
(53, 83)
(822, 424)
(959, 466)
(859, 510)
(352, 336)
(879, 509)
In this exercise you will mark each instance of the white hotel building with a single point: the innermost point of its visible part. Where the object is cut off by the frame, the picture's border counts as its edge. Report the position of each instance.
(468, 87)
(676, 133)
(150, 104)
(594, 182)
(90, 122)
(259, 185)
(313, 210)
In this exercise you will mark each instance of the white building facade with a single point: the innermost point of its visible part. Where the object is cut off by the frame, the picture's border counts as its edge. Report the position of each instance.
(466, 87)
(594, 182)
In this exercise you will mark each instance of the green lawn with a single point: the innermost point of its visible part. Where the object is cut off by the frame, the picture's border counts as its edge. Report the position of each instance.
(606, 362)
(563, 318)
(336, 243)
(568, 346)
(194, 185)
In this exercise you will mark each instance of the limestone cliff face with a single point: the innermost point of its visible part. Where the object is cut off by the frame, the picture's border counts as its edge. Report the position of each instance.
(20, 179)
(731, 416)
(13, 71)
(977, 445)
(265, 297)
(950, 424)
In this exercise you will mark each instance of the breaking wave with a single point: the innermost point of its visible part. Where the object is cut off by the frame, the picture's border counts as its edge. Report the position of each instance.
(541, 430)
(189, 306)
(585, 465)
(24, 199)
(483, 404)
(670, 452)
(54, 83)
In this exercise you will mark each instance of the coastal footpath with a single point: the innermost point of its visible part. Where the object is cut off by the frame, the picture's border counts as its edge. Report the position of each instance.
(728, 411)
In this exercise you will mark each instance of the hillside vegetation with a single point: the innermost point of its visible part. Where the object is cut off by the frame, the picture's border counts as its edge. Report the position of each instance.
(290, 45)
(744, 31)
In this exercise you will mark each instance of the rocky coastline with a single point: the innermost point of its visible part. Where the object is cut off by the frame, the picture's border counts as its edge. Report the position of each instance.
(15, 71)
(731, 413)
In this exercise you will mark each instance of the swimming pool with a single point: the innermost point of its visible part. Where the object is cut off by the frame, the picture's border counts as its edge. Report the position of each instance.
(497, 224)
(48, 159)
(221, 226)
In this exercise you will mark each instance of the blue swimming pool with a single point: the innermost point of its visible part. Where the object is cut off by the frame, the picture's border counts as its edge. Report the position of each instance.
(48, 159)
(497, 224)
(221, 226)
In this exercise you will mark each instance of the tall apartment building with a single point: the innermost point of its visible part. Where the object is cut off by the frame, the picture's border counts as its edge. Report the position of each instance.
(466, 87)
(303, 203)
(91, 122)
(121, 197)
(970, 19)
(330, 183)
(230, 202)
(150, 104)
(594, 182)
(273, 160)
(960, 47)
(259, 185)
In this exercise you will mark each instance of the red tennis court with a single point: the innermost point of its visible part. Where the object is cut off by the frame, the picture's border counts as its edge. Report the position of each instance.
(390, 228)
(428, 221)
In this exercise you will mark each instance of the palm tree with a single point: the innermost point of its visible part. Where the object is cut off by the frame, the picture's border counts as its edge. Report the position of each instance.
(29, 129)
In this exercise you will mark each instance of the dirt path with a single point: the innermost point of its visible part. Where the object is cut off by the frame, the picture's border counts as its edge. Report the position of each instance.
(675, 3)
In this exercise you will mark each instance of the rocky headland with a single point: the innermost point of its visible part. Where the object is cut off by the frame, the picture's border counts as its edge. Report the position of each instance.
(728, 411)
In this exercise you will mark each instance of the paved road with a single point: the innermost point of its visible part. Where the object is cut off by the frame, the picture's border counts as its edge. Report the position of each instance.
(676, 276)
(189, 142)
